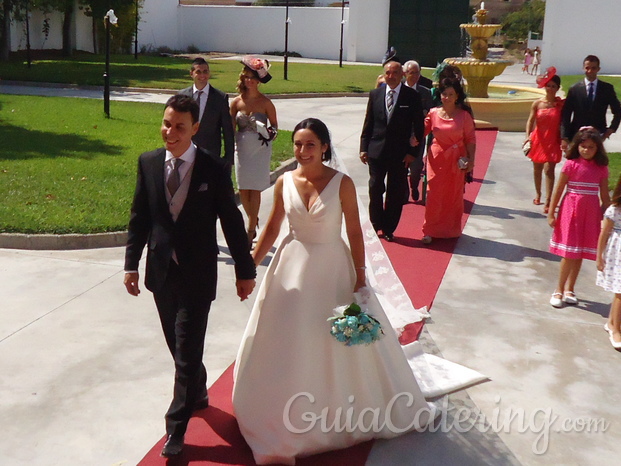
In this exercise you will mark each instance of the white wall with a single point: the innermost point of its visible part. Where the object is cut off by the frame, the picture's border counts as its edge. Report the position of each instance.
(313, 32)
(574, 29)
(368, 30)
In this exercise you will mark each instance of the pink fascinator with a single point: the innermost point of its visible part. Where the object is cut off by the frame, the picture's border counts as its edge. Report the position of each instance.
(543, 79)
(258, 67)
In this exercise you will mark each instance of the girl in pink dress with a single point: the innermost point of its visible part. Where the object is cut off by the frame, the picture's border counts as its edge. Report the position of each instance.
(453, 139)
(543, 128)
(577, 227)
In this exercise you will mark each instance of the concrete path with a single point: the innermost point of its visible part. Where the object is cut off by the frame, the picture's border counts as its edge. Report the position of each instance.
(86, 377)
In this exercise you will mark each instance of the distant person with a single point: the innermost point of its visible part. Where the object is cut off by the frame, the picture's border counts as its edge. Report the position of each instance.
(536, 61)
(450, 157)
(543, 129)
(254, 116)
(583, 178)
(181, 191)
(393, 126)
(609, 264)
(215, 122)
(413, 78)
(587, 104)
(528, 59)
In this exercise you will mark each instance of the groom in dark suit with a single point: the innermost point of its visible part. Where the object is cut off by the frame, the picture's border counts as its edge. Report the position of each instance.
(214, 117)
(587, 104)
(181, 191)
(393, 126)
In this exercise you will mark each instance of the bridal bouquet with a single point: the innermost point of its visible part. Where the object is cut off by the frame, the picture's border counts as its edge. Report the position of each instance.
(354, 326)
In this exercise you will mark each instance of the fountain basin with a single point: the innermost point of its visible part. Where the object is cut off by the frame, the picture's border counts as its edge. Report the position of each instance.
(507, 112)
(479, 73)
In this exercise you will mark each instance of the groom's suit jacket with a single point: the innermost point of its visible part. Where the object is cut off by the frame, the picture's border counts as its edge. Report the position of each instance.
(390, 139)
(193, 236)
(578, 111)
(215, 124)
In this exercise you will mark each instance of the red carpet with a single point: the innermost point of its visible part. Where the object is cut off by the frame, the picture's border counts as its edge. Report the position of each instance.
(213, 436)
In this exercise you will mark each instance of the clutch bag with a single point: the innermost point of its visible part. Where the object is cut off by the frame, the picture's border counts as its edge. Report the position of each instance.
(462, 163)
(526, 147)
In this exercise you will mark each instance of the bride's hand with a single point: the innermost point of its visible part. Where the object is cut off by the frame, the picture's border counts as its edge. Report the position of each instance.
(360, 283)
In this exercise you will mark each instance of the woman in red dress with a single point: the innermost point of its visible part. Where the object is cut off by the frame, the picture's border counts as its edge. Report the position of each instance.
(449, 158)
(543, 128)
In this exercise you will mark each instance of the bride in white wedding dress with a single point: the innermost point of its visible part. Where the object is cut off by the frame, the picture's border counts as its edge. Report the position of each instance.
(298, 391)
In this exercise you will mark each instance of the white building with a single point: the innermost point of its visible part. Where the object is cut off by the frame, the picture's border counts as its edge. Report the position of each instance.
(573, 30)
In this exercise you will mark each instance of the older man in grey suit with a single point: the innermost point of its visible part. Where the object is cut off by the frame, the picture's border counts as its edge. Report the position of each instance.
(411, 70)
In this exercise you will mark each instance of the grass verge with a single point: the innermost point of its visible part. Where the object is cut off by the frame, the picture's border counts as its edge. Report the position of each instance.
(173, 73)
(65, 168)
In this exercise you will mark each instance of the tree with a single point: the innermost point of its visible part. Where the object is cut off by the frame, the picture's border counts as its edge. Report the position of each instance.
(125, 10)
(8, 6)
(530, 17)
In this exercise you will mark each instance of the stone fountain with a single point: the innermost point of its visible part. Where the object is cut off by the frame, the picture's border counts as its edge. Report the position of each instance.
(479, 70)
(508, 110)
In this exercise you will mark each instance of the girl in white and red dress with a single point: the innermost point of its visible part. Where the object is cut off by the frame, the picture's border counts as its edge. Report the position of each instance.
(577, 226)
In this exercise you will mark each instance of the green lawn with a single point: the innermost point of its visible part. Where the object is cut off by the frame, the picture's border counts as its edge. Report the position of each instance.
(173, 73)
(614, 168)
(64, 168)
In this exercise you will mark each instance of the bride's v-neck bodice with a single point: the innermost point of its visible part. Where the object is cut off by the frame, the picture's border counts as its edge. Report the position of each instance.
(321, 222)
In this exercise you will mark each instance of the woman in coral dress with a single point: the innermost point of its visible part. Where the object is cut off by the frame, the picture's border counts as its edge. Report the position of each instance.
(453, 139)
(543, 128)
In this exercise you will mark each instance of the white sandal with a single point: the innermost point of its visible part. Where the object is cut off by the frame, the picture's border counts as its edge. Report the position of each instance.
(557, 299)
(570, 298)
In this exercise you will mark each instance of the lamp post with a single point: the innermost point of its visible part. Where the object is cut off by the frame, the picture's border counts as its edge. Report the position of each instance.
(28, 58)
(136, 34)
(342, 27)
(109, 19)
(287, 21)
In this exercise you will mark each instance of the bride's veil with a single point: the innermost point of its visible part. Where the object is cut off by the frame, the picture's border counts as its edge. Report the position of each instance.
(381, 275)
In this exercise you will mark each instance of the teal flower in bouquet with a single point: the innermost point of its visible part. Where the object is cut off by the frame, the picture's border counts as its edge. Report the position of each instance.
(355, 327)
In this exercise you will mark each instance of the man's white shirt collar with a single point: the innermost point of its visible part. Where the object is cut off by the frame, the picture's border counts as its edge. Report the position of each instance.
(188, 157)
(396, 90)
(587, 82)
(204, 89)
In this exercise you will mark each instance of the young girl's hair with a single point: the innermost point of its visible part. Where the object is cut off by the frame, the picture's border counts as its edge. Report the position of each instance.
(583, 134)
(616, 194)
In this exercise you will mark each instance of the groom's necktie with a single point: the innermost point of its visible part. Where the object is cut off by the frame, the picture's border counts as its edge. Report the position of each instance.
(174, 179)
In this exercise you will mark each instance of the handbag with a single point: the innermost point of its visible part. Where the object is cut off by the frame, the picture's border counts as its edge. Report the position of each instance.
(462, 163)
(526, 147)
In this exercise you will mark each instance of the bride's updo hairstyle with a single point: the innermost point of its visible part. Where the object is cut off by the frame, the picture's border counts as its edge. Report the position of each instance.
(321, 131)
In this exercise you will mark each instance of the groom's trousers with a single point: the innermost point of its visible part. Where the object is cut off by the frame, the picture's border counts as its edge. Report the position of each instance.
(183, 314)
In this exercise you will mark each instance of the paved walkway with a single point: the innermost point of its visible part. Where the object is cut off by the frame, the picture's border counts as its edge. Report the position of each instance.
(86, 375)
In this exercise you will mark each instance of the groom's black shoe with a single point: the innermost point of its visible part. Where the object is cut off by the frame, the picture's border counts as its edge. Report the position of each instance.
(203, 403)
(389, 237)
(173, 446)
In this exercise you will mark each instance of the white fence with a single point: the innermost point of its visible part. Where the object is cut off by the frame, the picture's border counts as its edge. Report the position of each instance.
(313, 32)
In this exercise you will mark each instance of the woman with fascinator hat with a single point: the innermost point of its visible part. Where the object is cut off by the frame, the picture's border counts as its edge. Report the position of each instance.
(543, 130)
(254, 117)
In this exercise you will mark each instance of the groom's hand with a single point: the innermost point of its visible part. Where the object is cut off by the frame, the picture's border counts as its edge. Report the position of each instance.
(244, 288)
(131, 283)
